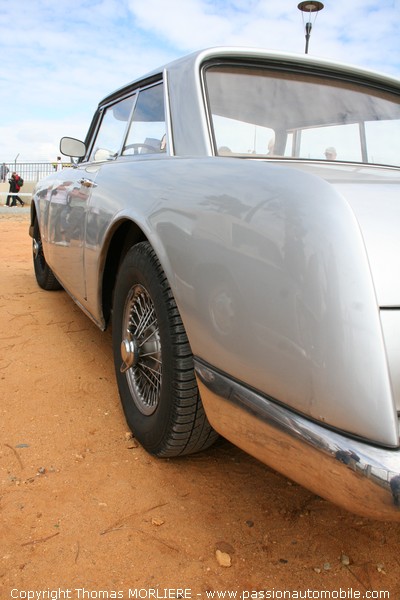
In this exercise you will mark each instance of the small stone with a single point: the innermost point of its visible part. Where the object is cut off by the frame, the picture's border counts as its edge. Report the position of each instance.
(225, 547)
(223, 558)
(131, 444)
(250, 523)
(327, 566)
(345, 560)
(317, 569)
(157, 521)
(41, 471)
(128, 435)
(381, 568)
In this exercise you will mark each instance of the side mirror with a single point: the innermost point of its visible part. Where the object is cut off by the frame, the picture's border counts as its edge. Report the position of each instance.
(72, 147)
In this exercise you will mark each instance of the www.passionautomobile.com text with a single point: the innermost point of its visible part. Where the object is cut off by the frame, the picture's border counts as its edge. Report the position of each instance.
(182, 593)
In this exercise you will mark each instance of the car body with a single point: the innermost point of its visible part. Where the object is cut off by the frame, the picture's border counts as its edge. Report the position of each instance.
(235, 216)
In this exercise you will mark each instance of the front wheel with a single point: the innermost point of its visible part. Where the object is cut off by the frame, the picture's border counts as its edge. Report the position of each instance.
(44, 275)
(153, 361)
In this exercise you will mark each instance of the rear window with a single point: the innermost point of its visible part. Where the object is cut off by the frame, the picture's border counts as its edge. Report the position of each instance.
(259, 112)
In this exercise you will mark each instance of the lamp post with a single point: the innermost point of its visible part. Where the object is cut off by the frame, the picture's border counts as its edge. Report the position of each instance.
(309, 7)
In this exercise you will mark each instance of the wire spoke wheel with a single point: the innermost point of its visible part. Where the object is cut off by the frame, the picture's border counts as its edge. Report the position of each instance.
(141, 350)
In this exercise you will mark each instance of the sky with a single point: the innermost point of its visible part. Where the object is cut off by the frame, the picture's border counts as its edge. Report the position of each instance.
(59, 58)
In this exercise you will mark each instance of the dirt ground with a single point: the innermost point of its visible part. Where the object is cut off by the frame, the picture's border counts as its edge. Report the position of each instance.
(86, 513)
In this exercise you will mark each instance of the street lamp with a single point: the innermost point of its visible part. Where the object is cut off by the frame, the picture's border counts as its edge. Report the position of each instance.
(309, 7)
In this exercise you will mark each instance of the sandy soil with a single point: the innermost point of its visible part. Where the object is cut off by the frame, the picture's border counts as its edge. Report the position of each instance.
(86, 513)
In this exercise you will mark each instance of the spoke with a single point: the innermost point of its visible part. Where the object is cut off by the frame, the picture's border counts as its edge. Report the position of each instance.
(153, 379)
(152, 355)
(152, 333)
(136, 322)
(144, 316)
(155, 372)
(136, 311)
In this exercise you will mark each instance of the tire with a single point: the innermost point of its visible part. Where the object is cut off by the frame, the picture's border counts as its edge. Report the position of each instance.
(44, 275)
(153, 361)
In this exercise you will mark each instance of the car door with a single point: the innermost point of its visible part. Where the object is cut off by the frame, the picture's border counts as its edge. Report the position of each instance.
(67, 211)
(71, 197)
(120, 186)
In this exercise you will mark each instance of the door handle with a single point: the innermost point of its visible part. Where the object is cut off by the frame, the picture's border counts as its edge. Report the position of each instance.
(87, 182)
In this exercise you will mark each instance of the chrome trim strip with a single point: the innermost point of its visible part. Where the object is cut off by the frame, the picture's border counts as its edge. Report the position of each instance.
(359, 477)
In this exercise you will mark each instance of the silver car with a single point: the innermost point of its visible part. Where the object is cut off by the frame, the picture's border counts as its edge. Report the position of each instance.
(235, 217)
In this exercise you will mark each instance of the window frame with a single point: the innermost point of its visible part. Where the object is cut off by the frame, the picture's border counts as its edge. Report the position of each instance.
(112, 100)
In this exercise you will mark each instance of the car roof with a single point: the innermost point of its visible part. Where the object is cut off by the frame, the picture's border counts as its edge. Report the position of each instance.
(273, 58)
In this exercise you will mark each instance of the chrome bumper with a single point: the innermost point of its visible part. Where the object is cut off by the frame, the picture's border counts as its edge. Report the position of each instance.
(362, 478)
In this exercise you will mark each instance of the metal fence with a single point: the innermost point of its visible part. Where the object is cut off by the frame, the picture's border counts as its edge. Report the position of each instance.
(31, 171)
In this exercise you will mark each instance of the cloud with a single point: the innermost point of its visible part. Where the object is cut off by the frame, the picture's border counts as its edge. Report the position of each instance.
(184, 24)
(342, 30)
(68, 55)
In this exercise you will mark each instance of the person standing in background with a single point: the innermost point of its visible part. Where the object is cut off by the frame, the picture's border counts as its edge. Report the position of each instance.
(15, 185)
(3, 172)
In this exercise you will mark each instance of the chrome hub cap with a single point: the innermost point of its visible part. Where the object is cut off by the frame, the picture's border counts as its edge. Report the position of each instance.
(36, 248)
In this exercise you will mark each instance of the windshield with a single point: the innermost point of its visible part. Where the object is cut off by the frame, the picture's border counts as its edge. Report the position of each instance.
(258, 112)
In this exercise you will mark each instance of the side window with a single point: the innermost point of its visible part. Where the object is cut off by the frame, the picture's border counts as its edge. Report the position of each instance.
(112, 128)
(146, 133)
